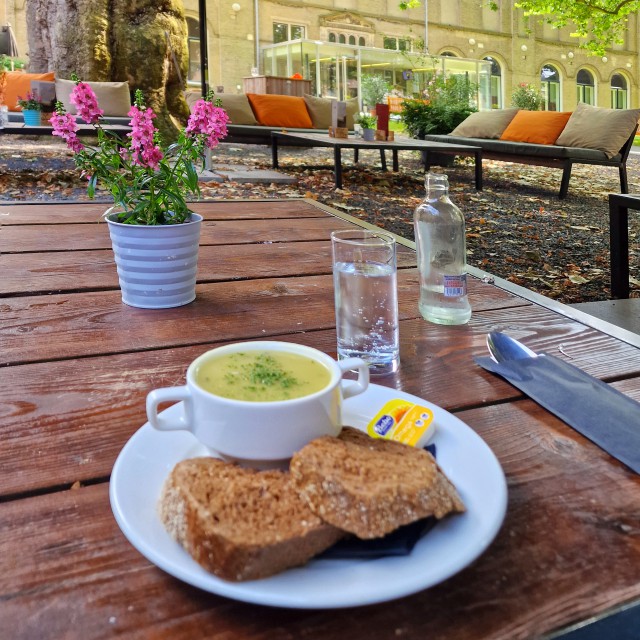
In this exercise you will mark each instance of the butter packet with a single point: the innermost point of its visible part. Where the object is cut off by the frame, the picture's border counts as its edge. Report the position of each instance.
(404, 422)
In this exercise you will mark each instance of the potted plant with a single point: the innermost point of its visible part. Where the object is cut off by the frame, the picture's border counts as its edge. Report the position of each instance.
(368, 124)
(154, 234)
(374, 95)
(31, 109)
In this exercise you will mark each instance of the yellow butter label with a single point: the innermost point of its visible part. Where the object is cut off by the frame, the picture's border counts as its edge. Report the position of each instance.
(404, 422)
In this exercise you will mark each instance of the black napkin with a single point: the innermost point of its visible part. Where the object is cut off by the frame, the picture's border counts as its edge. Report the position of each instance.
(593, 408)
(397, 543)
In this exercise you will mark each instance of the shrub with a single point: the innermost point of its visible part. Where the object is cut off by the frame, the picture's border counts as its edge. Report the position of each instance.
(526, 96)
(448, 101)
(374, 89)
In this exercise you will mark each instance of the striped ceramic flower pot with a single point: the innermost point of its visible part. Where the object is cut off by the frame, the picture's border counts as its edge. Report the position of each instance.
(31, 117)
(156, 264)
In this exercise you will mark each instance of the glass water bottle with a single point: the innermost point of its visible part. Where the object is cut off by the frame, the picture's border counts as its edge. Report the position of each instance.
(441, 247)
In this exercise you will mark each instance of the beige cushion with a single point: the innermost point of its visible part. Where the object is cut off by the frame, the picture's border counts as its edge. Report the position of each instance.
(485, 124)
(320, 111)
(238, 108)
(596, 128)
(114, 98)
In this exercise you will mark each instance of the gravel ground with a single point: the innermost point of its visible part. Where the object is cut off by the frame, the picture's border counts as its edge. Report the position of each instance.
(517, 228)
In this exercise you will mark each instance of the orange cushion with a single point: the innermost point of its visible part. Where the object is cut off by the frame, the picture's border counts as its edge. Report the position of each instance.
(280, 111)
(19, 84)
(538, 127)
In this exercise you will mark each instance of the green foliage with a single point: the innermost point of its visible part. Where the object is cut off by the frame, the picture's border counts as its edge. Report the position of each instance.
(374, 89)
(447, 103)
(526, 96)
(5, 63)
(601, 23)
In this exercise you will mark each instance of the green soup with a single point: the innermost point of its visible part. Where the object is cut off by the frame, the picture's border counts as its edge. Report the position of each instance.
(262, 376)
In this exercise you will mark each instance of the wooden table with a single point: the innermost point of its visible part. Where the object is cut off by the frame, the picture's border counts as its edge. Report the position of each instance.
(76, 365)
(426, 147)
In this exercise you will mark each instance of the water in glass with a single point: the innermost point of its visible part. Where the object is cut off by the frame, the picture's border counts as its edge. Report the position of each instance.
(366, 314)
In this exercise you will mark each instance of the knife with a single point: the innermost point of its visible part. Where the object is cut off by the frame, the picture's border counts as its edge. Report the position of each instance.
(595, 409)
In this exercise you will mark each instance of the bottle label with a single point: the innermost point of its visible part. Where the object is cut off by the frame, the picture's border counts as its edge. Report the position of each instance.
(455, 286)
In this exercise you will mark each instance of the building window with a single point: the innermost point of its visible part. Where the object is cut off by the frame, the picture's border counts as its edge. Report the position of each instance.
(193, 45)
(619, 92)
(550, 85)
(352, 40)
(449, 54)
(342, 39)
(586, 87)
(283, 31)
(496, 83)
(362, 42)
(396, 44)
(332, 37)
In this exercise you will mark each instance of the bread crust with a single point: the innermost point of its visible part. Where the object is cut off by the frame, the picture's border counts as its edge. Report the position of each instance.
(238, 523)
(368, 486)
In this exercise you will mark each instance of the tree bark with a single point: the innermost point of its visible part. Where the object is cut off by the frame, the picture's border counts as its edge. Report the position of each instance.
(115, 40)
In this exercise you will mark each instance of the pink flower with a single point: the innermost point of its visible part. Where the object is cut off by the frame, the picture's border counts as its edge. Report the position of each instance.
(208, 120)
(86, 102)
(64, 125)
(143, 149)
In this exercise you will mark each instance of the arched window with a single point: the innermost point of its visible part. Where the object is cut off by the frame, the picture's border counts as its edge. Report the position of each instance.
(193, 44)
(352, 39)
(550, 85)
(449, 54)
(362, 42)
(332, 37)
(586, 87)
(342, 39)
(619, 92)
(496, 83)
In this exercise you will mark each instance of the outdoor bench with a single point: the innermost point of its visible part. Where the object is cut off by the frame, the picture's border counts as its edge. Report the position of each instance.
(547, 155)
(588, 135)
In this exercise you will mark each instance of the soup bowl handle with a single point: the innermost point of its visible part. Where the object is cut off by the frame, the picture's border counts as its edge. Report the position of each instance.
(353, 388)
(170, 394)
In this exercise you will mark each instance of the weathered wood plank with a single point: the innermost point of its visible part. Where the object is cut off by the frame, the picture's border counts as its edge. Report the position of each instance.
(71, 237)
(102, 399)
(567, 550)
(14, 213)
(95, 270)
(81, 324)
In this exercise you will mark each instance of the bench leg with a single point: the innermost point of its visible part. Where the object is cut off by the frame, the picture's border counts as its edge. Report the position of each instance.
(624, 183)
(566, 175)
(356, 155)
(383, 160)
(478, 169)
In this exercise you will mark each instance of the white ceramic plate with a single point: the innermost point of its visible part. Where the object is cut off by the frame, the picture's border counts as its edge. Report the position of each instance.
(148, 457)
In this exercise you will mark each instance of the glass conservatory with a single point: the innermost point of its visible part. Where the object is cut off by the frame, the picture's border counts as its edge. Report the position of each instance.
(336, 70)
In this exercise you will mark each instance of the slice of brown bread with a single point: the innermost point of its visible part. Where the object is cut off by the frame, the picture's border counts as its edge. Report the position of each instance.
(370, 486)
(238, 523)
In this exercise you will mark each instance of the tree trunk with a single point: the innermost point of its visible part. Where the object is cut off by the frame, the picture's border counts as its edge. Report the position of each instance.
(115, 40)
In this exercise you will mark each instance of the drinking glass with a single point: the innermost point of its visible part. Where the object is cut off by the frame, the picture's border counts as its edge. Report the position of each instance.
(366, 296)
